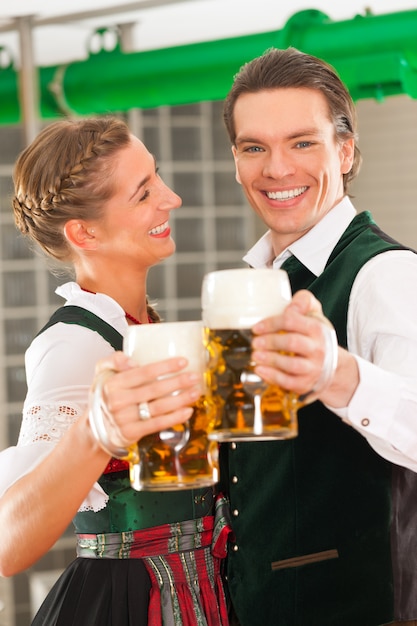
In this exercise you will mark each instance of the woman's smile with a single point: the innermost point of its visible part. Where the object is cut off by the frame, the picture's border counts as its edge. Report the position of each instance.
(163, 230)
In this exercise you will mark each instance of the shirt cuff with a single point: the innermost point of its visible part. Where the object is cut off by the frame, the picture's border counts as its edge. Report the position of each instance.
(377, 412)
(375, 401)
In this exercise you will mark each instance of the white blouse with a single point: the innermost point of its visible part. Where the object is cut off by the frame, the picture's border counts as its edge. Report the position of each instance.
(60, 366)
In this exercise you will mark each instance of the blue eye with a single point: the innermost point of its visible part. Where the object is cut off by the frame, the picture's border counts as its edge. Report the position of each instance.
(254, 149)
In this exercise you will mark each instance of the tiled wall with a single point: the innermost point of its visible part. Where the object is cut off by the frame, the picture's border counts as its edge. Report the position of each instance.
(212, 230)
(387, 182)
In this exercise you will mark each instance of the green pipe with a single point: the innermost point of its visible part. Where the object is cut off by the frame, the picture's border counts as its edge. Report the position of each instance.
(375, 55)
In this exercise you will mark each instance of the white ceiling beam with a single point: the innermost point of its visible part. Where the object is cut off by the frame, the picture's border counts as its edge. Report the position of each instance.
(85, 15)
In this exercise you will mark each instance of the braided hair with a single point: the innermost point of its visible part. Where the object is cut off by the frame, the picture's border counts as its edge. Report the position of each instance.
(64, 174)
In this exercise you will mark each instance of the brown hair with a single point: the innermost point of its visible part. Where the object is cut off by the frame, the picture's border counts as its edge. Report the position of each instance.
(65, 173)
(290, 68)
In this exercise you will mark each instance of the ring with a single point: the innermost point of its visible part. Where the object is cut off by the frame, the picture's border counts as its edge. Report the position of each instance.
(144, 411)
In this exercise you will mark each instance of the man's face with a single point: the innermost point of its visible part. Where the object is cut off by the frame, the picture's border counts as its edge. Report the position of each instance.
(288, 160)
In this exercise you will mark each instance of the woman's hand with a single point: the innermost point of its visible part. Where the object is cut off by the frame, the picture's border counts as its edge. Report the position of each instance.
(42, 503)
(297, 350)
(163, 390)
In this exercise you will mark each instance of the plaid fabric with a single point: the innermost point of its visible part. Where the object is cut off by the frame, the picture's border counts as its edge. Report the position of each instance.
(116, 465)
(184, 564)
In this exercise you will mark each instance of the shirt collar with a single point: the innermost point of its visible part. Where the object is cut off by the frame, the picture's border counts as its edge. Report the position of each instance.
(98, 303)
(313, 249)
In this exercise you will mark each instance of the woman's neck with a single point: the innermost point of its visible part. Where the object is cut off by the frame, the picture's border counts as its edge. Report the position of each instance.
(132, 300)
(129, 318)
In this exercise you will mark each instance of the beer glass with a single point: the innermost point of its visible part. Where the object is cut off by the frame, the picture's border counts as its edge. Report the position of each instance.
(181, 457)
(232, 302)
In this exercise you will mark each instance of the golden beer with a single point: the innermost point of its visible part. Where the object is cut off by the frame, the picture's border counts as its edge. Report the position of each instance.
(232, 302)
(231, 378)
(181, 457)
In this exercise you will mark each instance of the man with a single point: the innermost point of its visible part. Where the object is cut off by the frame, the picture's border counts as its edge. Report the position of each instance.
(325, 525)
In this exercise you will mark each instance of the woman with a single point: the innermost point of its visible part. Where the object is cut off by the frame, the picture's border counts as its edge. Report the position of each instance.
(89, 194)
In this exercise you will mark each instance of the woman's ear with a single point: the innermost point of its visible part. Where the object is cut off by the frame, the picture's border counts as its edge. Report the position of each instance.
(80, 235)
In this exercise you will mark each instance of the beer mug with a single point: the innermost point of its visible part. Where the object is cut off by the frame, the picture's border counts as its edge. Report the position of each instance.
(232, 302)
(181, 457)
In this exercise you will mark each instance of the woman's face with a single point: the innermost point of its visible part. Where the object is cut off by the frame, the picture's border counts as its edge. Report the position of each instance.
(134, 228)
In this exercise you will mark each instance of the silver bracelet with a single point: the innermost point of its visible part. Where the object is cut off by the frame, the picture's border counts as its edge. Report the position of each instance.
(97, 415)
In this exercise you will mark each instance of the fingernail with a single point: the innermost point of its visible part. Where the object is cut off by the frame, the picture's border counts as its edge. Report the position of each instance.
(258, 357)
(259, 343)
(258, 327)
(195, 394)
(261, 371)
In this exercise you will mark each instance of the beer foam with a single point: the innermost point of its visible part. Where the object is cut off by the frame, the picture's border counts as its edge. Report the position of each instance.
(149, 343)
(239, 298)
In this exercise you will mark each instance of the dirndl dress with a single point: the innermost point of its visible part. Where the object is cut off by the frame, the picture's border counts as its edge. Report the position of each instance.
(147, 559)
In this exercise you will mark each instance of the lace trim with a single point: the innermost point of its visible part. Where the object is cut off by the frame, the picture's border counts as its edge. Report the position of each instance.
(96, 500)
(48, 422)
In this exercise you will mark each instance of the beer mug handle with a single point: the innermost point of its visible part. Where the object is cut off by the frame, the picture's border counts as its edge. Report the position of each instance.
(330, 360)
(97, 417)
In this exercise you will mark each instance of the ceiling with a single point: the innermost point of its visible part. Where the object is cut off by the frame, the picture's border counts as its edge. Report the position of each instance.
(62, 31)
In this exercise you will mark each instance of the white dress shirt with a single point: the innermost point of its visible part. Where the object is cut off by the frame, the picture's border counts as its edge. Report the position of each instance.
(381, 333)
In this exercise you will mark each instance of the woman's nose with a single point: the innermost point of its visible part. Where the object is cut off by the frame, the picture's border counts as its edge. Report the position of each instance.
(170, 200)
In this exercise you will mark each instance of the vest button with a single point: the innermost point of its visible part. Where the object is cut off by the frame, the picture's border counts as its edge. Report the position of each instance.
(233, 445)
(235, 512)
(234, 479)
(235, 547)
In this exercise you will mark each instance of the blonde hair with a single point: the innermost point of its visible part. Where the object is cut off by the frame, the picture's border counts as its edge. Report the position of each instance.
(64, 174)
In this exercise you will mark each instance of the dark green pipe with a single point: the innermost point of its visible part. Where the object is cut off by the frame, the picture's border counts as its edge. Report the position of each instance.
(376, 56)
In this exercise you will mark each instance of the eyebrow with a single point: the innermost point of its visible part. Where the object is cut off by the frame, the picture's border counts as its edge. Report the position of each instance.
(303, 132)
(143, 181)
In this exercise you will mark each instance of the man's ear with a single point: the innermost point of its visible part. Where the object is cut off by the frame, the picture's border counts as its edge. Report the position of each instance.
(234, 152)
(80, 235)
(348, 154)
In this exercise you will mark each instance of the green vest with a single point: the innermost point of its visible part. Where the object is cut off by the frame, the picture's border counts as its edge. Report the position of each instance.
(312, 516)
